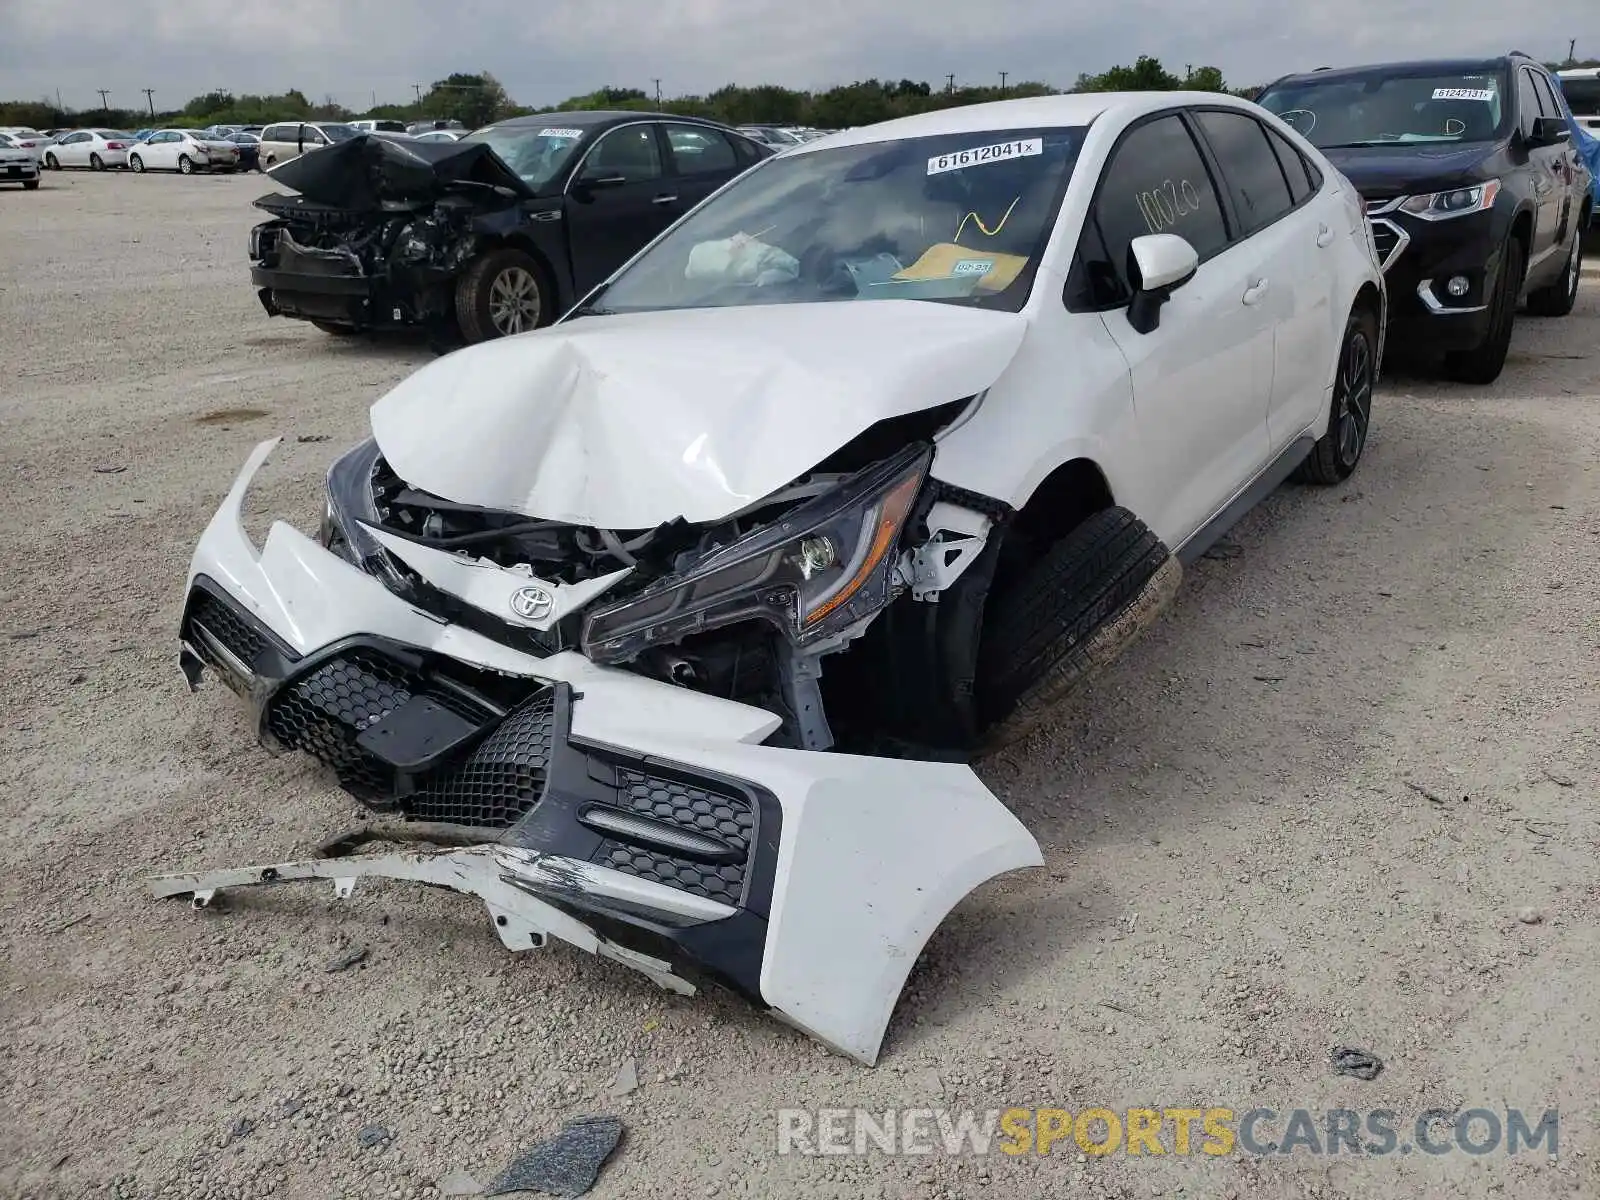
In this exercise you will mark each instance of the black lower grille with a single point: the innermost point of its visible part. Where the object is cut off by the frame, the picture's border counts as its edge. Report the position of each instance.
(231, 631)
(730, 819)
(501, 780)
(323, 712)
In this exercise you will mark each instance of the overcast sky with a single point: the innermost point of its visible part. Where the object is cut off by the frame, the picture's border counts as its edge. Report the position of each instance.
(547, 50)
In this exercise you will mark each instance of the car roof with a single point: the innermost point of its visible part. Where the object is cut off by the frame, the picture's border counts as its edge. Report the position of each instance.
(1445, 66)
(584, 118)
(1033, 112)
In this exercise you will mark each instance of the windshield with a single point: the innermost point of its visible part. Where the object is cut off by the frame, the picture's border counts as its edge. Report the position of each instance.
(535, 152)
(1378, 110)
(960, 218)
(1583, 94)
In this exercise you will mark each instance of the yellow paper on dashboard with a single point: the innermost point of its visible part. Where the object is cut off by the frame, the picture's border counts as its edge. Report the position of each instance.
(946, 260)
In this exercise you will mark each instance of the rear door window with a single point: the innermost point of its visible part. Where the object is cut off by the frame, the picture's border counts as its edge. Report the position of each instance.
(1254, 178)
(700, 151)
(1547, 98)
(1302, 183)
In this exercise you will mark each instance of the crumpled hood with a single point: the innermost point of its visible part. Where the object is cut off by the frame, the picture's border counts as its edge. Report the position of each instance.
(626, 422)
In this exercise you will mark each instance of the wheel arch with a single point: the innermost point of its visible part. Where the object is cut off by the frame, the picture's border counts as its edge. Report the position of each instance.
(1068, 494)
(550, 277)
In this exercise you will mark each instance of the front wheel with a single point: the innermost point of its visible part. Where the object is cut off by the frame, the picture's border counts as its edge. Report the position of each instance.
(51, 161)
(500, 294)
(30, 185)
(185, 165)
(1557, 299)
(136, 165)
(1333, 459)
(1066, 615)
(1484, 362)
(96, 163)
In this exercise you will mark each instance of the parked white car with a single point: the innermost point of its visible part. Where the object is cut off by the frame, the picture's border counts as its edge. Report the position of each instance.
(185, 151)
(18, 165)
(97, 149)
(881, 449)
(30, 140)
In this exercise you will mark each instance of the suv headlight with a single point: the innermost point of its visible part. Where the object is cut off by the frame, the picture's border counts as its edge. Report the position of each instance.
(820, 568)
(1455, 203)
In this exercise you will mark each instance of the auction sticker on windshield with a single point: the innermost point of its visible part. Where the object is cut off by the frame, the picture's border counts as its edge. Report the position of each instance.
(1463, 93)
(978, 155)
(561, 133)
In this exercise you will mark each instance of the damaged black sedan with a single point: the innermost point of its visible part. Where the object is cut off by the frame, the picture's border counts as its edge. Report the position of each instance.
(498, 233)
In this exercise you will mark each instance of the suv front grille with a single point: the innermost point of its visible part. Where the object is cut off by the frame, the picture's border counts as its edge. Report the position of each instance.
(1389, 239)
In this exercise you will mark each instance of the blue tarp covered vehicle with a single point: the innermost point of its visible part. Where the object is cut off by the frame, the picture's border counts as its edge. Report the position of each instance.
(1588, 147)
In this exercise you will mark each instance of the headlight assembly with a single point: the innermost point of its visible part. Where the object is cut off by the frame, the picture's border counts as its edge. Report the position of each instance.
(821, 568)
(350, 502)
(1455, 203)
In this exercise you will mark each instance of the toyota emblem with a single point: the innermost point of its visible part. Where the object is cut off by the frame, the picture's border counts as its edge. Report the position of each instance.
(532, 603)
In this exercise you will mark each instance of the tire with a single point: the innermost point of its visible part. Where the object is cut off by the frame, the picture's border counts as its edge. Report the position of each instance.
(1484, 362)
(1558, 298)
(329, 327)
(1067, 614)
(96, 163)
(136, 164)
(185, 165)
(30, 185)
(51, 161)
(502, 293)
(1333, 459)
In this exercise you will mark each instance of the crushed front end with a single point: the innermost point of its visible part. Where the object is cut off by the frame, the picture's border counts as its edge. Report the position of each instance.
(592, 773)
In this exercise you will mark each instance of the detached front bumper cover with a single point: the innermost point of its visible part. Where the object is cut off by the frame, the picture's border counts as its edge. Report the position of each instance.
(642, 822)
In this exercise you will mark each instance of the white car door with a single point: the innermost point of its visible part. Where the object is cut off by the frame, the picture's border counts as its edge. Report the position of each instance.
(1202, 376)
(1290, 231)
(156, 151)
(73, 150)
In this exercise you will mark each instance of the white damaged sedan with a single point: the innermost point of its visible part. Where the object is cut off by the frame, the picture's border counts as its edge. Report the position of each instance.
(668, 631)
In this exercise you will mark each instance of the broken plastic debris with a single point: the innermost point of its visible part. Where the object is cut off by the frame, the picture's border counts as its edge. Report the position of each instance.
(567, 1165)
(626, 1079)
(373, 1135)
(347, 960)
(459, 1183)
(1362, 1064)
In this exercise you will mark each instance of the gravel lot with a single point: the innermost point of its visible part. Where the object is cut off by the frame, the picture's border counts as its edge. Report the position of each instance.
(1308, 810)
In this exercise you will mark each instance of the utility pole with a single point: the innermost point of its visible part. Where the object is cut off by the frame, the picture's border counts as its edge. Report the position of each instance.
(658, 95)
(149, 98)
(104, 92)
(1572, 50)
(1003, 75)
(952, 85)
(417, 88)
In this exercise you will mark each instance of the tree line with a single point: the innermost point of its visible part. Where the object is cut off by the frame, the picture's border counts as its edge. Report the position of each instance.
(477, 98)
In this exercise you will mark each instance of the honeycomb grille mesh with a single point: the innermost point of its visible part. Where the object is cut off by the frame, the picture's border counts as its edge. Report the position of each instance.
(731, 819)
(242, 640)
(502, 779)
(323, 712)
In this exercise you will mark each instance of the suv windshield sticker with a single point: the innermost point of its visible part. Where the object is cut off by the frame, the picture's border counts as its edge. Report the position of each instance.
(998, 152)
(1463, 93)
(561, 133)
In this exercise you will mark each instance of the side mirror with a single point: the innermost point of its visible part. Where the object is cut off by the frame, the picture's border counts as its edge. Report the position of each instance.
(1158, 265)
(1549, 131)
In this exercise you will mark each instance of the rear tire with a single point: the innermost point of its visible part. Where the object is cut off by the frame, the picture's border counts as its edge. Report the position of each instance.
(1333, 459)
(502, 293)
(1558, 298)
(96, 163)
(1074, 610)
(30, 185)
(1484, 362)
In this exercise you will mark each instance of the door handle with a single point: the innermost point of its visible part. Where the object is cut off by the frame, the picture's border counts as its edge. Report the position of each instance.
(1324, 236)
(665, 199)
(1253, 293)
